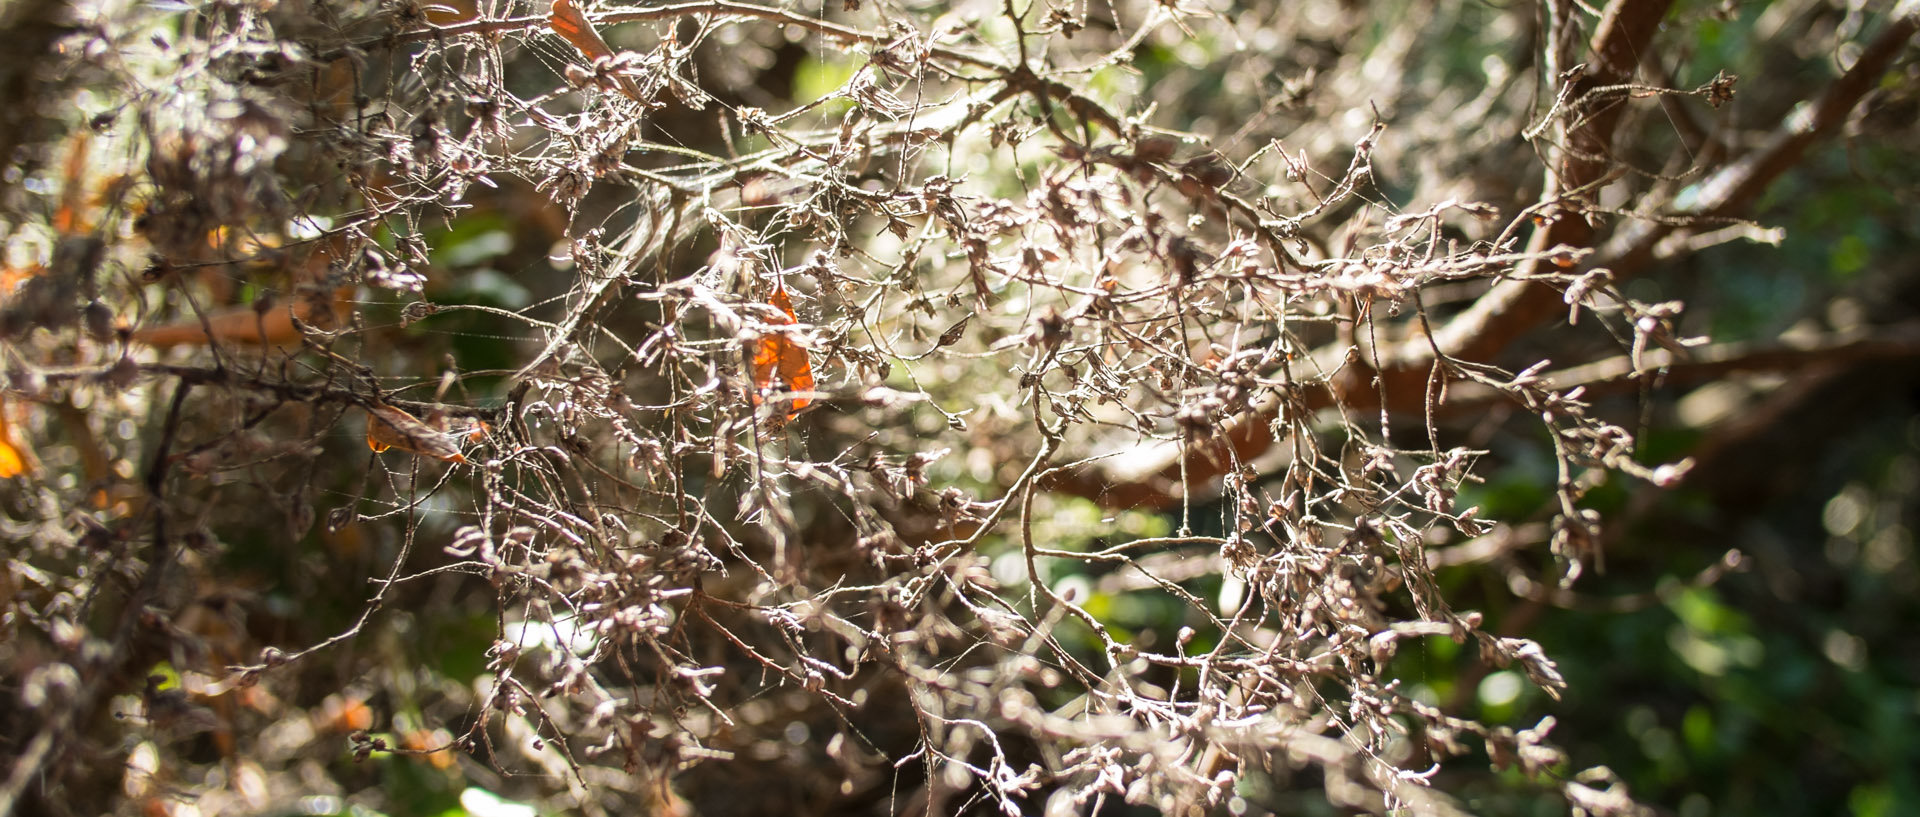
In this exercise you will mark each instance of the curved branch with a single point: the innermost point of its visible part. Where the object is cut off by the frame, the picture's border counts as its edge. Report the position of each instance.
(1513, 308)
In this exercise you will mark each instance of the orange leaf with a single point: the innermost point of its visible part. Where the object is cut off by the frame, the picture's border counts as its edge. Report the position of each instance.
(775, 352)
(344, 714)
(12, 277)
(572, 26)
(478, 431)
(68, 219)
(389, 427)
(13, 461)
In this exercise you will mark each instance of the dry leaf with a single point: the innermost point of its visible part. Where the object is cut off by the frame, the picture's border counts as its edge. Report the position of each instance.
(775, 352)
(572, 26)
(954, 332)
(11, 464)
(13, 461)
(69, 218)
(389, 427)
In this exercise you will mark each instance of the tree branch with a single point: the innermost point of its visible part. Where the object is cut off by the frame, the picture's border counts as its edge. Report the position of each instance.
(1514, 307)
(283, 389)
(1618, 374)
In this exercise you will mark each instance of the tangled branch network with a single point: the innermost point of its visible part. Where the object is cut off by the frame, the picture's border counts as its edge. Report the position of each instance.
(1000, 403)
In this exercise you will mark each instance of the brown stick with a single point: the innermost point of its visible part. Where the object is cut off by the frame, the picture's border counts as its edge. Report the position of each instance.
(1707, 363)
(1514, 307)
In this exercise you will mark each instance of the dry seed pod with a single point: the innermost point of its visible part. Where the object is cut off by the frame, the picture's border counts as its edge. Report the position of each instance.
(1156, 148)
